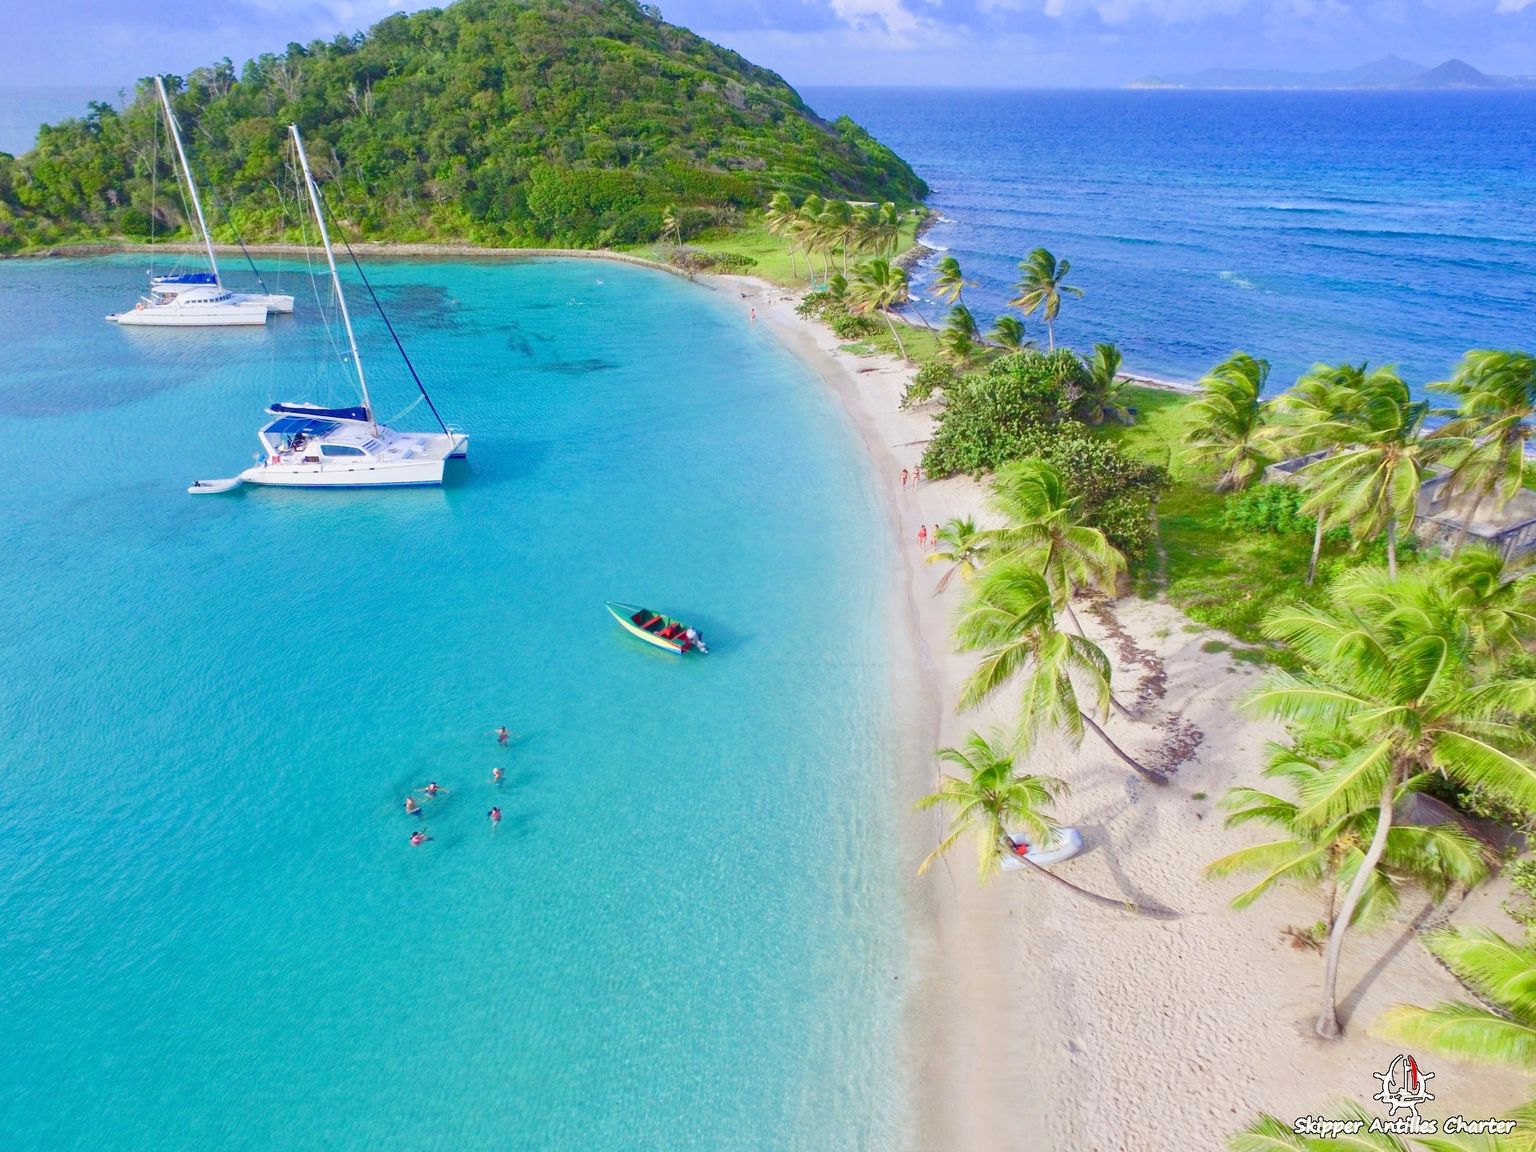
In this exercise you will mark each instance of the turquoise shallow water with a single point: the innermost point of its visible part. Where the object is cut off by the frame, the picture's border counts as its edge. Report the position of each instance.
(686, 934)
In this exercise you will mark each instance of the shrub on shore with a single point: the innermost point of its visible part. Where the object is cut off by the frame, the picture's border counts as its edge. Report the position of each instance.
(1015, 410)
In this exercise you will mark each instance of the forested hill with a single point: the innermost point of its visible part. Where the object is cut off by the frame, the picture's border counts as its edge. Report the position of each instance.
(490, 121)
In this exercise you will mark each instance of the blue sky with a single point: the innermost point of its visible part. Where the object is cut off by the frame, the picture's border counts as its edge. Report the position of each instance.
(1009, 43)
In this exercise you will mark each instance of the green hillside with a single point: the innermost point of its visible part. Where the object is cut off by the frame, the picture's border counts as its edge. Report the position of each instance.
(570, 122)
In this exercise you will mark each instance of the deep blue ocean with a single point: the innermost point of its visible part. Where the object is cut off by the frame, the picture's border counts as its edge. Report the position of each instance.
(686, 933)
(1393, 227)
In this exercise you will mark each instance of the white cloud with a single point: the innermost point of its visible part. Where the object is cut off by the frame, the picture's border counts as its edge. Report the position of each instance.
(1508, 6)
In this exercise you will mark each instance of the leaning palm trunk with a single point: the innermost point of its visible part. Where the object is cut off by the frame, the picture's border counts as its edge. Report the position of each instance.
(1106, 901)
(1392, 547)
(1466, 522)
(1121, 754)
(1328, 1026)
(891, 324)
(1317, 549)
(1077, 626)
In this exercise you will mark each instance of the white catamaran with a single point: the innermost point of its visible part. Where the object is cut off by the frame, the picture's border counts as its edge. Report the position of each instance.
(308, 446)
(197, 299)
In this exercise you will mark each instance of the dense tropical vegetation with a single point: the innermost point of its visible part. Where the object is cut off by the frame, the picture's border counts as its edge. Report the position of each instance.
(575, 122)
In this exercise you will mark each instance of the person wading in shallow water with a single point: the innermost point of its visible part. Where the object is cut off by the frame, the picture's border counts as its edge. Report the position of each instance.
(496, 774)
(418, 839)
(502, 735)
(495, 817)
(411, 807)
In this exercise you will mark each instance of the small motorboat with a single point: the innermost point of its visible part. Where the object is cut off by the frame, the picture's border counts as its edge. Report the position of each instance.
(210, 487)
(1067, 843)
(658, 629)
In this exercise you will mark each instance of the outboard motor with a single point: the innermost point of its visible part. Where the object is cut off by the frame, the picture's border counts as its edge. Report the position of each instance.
(697, 641)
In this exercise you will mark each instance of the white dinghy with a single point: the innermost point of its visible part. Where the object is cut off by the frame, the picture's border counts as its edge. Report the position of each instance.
(1067, 843)
(213, 487)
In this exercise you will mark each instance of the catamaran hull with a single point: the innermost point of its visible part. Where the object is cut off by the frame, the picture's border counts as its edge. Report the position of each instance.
(169, 316)
(417, 472)
(274, 302)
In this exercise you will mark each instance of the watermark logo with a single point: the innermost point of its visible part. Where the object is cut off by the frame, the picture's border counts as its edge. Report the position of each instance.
(1404, 1086)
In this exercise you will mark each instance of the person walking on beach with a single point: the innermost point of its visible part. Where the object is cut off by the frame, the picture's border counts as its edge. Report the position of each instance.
(411, 807)
(418, 838)
(904, 475)
(495, 817)
(917, 475)
(922, 537)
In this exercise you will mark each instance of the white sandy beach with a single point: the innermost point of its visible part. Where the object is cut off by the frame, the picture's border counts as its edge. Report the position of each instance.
(1039, 1020)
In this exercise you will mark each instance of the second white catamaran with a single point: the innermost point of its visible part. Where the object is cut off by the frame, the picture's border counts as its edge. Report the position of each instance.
(308, 446)
(197, 299)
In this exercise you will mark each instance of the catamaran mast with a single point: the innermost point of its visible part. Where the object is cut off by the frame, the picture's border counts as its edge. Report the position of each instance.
(330, 258)
(170, 118)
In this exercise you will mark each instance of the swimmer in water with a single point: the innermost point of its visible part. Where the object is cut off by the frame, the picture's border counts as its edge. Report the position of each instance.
(434, 789)
(411, 807)
(496, 775)
(502, 735)
(495, 817)
(418, 839)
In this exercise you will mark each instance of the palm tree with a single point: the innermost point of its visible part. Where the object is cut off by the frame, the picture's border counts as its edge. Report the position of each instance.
(887, 229)
(988, 798)
(1373, 484)
(1098, 396)
(1010, 617)
(1496, 420)
(1229, 421)
(806, 229)
(1439, 856)
(1046, 529)
(672, 224)
(839, 226)
(881, 286)
(837, 286)
(1500, 601)
(1503, 975)
(779, 218)
(949, 283)
(1042, 287)
(1320, 412)
(963, 547)
(1008, 331)
(1390, 670)
(961, 334)
(1271, 1134)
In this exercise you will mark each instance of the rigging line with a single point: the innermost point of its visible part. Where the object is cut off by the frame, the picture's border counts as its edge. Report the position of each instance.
(364, 276)
(239, 239)
(309, 261)
(154, 192)
(404, 412)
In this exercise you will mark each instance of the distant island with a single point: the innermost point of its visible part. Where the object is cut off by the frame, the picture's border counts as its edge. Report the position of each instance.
(1388, 72)
(576, 123)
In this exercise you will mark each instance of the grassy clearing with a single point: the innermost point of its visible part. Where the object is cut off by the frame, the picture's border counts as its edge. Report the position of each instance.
(752, 238)
(1218, 577)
